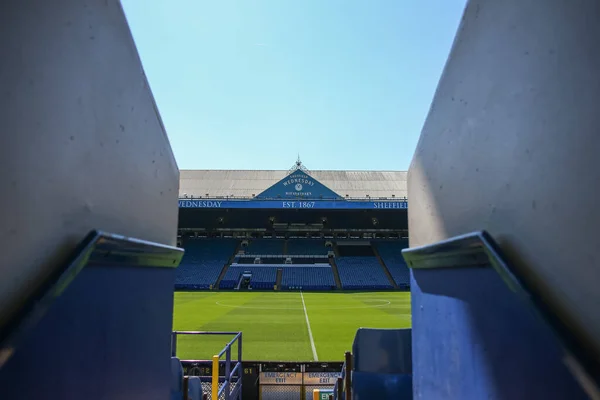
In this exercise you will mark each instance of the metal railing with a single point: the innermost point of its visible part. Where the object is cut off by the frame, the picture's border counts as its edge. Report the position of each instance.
(343, 385)
(220, 388)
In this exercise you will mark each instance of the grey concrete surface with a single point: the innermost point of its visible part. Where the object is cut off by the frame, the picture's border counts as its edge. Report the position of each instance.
(511, 145)
(83, 145)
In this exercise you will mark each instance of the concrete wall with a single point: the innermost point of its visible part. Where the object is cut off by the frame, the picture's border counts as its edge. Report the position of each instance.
(83, 146)
(511, 145)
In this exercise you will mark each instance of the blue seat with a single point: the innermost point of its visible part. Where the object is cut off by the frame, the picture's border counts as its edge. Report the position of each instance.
(263, 277)
(194, 388)
(307, 277)
(265, 246)
(305, 247)
(367, 386)
(391, 254)
(176, 379)
(382, 364)
(362, 273)
(203, 262)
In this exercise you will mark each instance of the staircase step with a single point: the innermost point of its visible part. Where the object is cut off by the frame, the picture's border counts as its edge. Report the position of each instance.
(278, 279)
(221, 276)
(336, 274)
(226, 266)
(385, 268)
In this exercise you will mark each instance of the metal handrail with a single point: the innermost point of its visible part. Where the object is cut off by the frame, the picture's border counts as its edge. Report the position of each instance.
(230, 373)
(343, 385)
(348, 375)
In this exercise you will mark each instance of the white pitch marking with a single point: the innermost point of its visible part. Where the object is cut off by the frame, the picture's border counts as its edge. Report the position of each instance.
(384, 303)
(312, 342)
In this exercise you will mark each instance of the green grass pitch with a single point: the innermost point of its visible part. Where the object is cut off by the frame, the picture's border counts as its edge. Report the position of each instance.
(274, 324)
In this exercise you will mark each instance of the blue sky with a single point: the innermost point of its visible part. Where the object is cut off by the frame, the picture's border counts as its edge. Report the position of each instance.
(249, 84)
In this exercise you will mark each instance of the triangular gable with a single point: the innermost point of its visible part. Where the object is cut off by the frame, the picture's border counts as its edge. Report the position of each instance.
(298, 185)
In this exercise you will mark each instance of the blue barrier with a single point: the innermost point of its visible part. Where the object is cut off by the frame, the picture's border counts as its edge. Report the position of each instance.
(176, 379)
(110, 308)
(194, 388)
(475, 331)
(382, 364)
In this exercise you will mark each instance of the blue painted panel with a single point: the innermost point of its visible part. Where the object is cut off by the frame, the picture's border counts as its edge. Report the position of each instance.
(298, 185)
(106, 337)
(295, 204)
(372, 386)
(382, 364)
(474, 339)
(371, 348)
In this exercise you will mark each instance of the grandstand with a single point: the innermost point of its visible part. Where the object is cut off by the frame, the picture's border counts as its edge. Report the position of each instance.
(259, 242)
(265, 246)
(210, 258)
(391, 256)
(362, 273)
(294, 229)
(203, 262)
(306, 247)
(263, 277)
(315, 277)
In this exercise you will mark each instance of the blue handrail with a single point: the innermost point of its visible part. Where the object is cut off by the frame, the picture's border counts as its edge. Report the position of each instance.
(232, 375)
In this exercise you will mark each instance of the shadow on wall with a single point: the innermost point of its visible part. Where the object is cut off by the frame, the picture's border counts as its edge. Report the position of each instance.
(474, 338)
(510, 146)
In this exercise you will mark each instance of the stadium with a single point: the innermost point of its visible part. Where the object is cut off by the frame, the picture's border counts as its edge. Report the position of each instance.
(473, 275)
(318, 249)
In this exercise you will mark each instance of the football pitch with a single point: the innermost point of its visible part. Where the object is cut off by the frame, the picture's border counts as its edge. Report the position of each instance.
(284, 326)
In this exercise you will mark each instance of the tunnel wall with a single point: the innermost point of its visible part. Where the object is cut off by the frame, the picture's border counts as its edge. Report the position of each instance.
(83, 146)
(511, 146)
(107, 336)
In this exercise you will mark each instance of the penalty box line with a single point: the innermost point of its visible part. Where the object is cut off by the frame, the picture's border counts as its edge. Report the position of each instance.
(310, 335)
